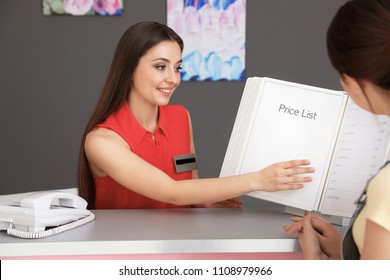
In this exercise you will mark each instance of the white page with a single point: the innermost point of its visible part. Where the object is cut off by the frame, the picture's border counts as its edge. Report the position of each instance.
(293, 121)
(361, 151)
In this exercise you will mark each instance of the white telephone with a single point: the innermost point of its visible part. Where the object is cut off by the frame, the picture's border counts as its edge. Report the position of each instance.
(44, 213)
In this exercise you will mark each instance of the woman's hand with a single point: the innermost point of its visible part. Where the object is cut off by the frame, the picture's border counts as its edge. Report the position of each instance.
(318, 238)
(228, 203)
(283, 176)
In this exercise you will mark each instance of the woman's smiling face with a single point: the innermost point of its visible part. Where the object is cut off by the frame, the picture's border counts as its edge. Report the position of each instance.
(157, 74)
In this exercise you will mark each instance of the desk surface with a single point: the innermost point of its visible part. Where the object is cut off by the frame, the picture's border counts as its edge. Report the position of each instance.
(165, 232)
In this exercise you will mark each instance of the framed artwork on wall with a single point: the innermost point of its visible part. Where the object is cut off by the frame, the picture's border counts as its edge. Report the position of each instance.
(213, 32)
(82, 7)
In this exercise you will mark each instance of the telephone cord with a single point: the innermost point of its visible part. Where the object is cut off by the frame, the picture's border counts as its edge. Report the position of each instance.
(52, 231)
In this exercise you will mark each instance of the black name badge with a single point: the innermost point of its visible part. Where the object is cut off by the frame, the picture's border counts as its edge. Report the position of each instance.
(184, 163)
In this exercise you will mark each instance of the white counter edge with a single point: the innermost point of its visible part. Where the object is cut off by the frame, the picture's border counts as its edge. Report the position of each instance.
(149, 247)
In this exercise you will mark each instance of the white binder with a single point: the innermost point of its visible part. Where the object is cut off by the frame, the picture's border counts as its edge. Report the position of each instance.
(279, 120)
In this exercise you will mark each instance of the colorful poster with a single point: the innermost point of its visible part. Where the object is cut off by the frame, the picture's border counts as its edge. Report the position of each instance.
(213, 32)
(82, 7)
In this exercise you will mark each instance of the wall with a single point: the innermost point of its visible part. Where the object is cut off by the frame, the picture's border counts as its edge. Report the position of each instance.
(53, 68)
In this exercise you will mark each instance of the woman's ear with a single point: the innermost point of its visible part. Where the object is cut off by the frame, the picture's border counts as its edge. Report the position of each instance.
(352, 86)
(364, 93)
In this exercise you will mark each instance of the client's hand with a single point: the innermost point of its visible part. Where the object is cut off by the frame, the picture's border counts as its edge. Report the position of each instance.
(317, 237)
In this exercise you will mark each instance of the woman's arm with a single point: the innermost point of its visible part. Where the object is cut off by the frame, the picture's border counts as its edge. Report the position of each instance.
(109, 154)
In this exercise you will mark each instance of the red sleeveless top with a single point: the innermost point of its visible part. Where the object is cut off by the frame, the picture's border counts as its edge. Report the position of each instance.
(172, 138)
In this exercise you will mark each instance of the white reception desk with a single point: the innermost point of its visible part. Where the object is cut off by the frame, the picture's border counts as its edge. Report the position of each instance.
(247, 233)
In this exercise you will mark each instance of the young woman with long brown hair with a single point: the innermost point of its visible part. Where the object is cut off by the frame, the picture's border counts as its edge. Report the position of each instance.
(129, 145)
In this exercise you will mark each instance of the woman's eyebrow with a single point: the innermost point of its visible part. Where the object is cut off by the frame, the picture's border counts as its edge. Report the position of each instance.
(166, 60)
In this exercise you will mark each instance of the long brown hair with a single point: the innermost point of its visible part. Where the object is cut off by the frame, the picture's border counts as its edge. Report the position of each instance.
(358, 41)
(134, 43)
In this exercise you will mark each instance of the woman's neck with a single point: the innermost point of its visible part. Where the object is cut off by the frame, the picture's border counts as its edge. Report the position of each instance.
(146, 114)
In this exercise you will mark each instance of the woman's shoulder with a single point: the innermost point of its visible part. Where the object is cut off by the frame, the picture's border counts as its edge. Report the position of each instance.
(102, 136)
(174, 108)
(379, 187)
(101, 132)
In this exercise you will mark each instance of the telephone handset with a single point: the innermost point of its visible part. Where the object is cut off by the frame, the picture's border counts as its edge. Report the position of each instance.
(44, 213)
